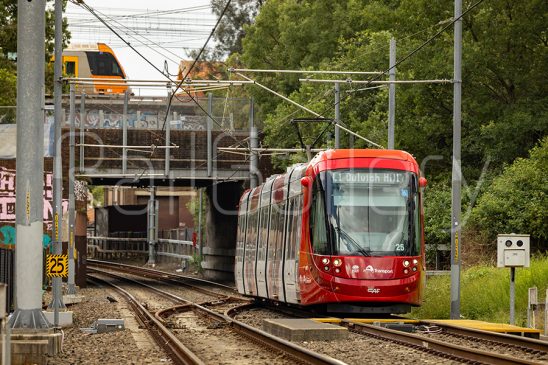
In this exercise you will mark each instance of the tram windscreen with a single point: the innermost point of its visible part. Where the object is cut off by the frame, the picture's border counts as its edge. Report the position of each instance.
(369, 212)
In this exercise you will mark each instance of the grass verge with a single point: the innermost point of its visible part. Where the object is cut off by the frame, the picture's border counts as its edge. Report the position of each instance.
(485, 293)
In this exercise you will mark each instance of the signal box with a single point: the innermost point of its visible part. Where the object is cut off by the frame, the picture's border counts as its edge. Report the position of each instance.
(513, 250)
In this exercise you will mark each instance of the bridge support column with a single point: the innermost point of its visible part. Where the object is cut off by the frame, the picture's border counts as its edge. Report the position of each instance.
(221, 225)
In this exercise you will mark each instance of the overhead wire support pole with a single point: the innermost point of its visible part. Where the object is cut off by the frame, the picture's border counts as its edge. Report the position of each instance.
(337, 115)
(71, 288)
(168, 139)
(29, 212)
(57, 298)
(124, 132)
(253, 143)
(209, 135)
(392, 95)
(456, 176)
(82, 131)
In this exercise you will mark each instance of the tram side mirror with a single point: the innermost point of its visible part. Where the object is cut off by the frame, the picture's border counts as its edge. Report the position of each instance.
(423, 182)
(306, 182)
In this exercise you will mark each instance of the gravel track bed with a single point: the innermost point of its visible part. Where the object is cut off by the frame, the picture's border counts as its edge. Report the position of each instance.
(223, 307)
(254, 316)
(130, 346)
(477, 343)
(215, 343)
(356, 349)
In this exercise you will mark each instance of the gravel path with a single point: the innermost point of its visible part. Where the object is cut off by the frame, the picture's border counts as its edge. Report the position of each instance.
(130, 346)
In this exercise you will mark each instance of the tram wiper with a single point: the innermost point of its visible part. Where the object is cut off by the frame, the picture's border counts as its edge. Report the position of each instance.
(355, 245)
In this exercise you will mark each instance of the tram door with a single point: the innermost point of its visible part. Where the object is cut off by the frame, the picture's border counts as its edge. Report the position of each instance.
(293, 238)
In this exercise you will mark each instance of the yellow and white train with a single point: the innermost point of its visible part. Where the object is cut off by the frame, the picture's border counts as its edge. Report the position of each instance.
(95, 62)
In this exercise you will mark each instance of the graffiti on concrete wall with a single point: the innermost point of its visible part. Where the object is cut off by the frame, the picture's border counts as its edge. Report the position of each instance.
(7, 206)
(95, 118)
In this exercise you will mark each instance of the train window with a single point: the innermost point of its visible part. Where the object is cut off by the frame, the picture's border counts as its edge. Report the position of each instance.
(70, 68)
(318, 231)
(103, 64)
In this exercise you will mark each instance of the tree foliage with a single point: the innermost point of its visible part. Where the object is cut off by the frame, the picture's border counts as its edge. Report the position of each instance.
(230, 32)
(517, 200)
(504, 97)
(8, 44)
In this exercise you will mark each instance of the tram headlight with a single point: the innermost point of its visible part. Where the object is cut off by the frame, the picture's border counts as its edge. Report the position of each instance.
(337, 262)
(415, 262)
(325, 261)
(405, 263)
(337, 271)
(326, 268)
(405, 271)
(414, 268)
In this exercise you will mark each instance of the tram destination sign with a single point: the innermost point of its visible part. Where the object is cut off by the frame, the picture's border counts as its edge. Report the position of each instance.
(384, 178)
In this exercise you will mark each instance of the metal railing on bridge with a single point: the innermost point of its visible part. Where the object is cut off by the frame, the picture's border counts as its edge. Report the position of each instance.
(106, 248)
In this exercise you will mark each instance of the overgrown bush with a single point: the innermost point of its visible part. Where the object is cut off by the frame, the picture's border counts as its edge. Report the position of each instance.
(517, 200)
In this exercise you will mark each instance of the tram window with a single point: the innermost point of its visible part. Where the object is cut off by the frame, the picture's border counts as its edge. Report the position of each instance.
(318, 229)
(103, 64)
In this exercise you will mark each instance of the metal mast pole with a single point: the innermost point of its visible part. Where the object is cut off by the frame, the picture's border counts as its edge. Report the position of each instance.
(254, 143)
(30, 166)
(57, 300)
(392, 95)
(152, 226)
(71, 289)
(337, 115)
(456, 173)
(209, 136)
(200, 223)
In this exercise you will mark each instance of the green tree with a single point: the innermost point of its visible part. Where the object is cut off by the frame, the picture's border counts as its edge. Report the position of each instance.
(8, 87)
(8, 41)
(517, 200)
(230, 31)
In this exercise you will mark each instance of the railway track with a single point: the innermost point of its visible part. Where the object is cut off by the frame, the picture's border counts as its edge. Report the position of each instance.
(165, 330)
(431, 344)
(457, 343)
(449, 342)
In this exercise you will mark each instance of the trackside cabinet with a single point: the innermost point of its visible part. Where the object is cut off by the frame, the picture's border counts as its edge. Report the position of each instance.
(513, 250)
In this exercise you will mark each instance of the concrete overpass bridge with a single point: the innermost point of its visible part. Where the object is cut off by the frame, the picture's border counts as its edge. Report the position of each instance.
(137, 141)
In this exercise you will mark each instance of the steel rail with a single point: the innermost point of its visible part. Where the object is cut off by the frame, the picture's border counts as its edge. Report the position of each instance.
(430, 344)
(176, 277)
(299, 353)
(501, 338)
(259, 336)
(180, 354)
(164, 277)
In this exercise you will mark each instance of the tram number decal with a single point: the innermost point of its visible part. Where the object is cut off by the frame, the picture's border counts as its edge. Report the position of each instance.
(400, 247)
(57, 266)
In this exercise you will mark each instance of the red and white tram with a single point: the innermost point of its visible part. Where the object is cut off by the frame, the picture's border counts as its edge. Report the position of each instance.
(342, 233)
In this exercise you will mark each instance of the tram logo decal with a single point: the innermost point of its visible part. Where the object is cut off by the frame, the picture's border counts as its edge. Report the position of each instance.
(373, 290)
(371, 269)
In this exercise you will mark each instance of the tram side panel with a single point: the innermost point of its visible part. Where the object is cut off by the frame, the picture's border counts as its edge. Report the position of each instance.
(240, 243)
(266, 238)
